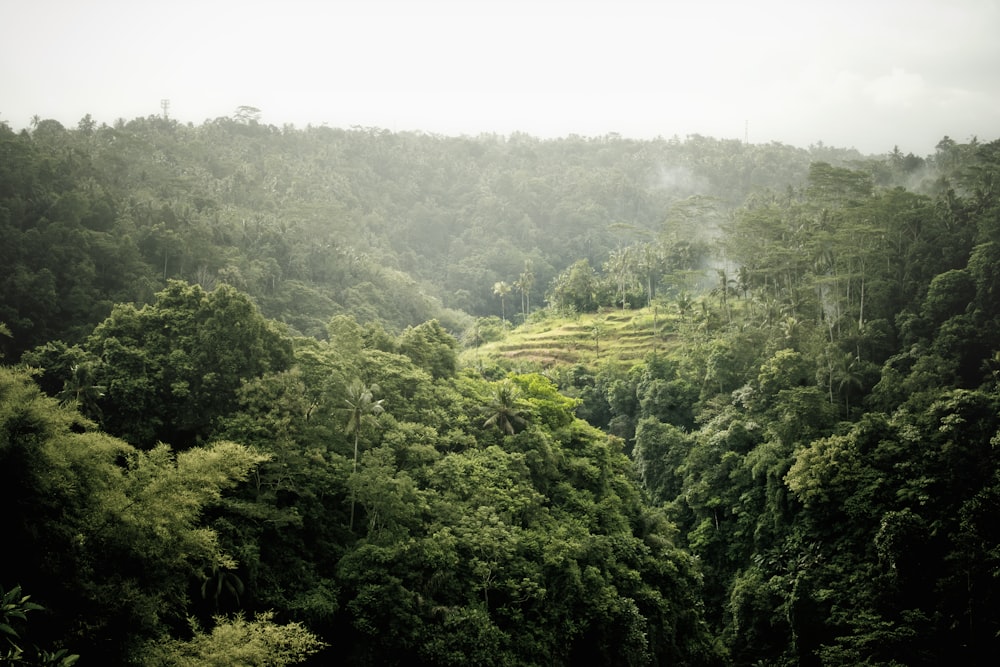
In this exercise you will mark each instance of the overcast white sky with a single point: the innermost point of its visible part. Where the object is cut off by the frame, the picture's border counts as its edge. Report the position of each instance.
(869, 74)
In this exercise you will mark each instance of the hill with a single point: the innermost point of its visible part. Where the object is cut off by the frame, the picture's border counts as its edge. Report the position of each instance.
(241, 391)
(395, 228)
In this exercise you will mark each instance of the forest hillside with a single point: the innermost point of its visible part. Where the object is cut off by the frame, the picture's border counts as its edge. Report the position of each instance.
(280, 395)
(393, 228)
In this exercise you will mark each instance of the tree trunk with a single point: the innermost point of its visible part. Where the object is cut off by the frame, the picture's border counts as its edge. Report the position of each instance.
(351, 525)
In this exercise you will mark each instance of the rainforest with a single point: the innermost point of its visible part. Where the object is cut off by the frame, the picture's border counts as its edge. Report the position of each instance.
(308, 395)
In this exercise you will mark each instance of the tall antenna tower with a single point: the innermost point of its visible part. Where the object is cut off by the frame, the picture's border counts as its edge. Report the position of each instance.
(165, 105)
(746, 132)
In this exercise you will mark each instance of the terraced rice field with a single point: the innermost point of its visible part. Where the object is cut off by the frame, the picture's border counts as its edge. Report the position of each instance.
(584, 339)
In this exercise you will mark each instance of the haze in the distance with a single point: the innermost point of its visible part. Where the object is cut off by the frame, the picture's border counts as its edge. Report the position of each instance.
(872, 75)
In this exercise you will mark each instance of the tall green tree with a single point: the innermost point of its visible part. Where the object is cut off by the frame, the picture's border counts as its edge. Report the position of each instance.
(524, 284)
(363, 410)
(501, 289)
(621, 267)
(431, 348)
(171, 370)
(575, 288)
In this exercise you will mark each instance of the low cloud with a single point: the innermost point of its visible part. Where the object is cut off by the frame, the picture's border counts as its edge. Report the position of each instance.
(898, 88)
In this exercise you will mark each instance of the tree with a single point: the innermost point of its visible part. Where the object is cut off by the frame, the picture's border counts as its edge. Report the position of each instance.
(684, 304)
(621, 266)
(723, 288)
(505, 409)
(4, 333)
(502, 289)
(949, 294)
(597, 332)
(525, 282)
(80, 391)
(170, 370)
(846, 373)
(659, 452)
(103, 529)
(247, 114)
(362, 411)
(431, 348)
(576, 288)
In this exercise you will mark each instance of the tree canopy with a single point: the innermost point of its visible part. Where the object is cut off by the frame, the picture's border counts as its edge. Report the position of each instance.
(271, 399)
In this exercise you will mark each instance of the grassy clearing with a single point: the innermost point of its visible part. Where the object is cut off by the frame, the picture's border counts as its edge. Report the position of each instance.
(587, 338)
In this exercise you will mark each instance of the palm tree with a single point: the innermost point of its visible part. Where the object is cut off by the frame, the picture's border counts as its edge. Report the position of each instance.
(846, 372)
(620, 265)
(527, 281)
(502, 289)
(221, 581)
(80, 390)
(790, 330)
(725, 286)
(518, 287)
(505, 409)
(650, 261)
(362, 410)
(744, 280)
(684, 304)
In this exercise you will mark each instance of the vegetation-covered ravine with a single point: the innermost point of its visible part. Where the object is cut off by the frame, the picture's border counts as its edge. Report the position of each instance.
(301, 396)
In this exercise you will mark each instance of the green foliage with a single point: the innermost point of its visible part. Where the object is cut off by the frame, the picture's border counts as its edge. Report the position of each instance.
(102, 527)
(430, 347)
(812, 423)
(548, 407)
(900, 484)
(539, 550)
(324, 220)
(14, 609)
(948, 295)
(575, 289)
(237, 641)
(659, 452)
(505, 408)
(827, 542)
(171, 369)
(361, 408)
(480, 566)
(362, 411)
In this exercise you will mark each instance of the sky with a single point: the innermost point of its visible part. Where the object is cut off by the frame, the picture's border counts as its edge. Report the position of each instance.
(873, 74)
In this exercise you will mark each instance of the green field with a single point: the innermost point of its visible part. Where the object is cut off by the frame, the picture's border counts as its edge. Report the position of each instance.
(588, 338)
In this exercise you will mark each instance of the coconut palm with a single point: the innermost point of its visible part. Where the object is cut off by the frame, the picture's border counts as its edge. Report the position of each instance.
(502, 289)
(505, 409)
(362, 410)
(621, 265)
(650, 264)
(723, 289)
(81, 391)
(525, 282)
(846, 372)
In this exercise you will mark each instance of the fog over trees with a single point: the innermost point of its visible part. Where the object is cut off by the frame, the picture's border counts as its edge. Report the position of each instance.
(302, 395)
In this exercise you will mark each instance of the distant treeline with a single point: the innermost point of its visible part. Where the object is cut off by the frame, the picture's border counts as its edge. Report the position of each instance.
(391, 227)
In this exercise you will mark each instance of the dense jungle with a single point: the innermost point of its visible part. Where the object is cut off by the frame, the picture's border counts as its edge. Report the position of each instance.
(278, 396)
